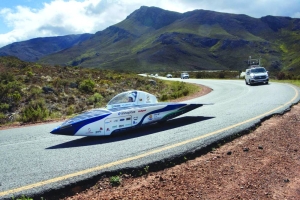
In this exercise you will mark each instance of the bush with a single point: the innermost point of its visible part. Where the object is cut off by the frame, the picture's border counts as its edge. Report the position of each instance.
(6, 77)
(98, 97)
(4, 107)
(71, 110)
(115, 180)
(179, 89)
(164, 97)
(16, 96)
(87, 86)
(281, 76)
(221, 75)
(2, 118)
(34, 111)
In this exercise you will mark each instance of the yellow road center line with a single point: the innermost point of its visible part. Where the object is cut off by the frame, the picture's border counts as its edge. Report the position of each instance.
(61, 178)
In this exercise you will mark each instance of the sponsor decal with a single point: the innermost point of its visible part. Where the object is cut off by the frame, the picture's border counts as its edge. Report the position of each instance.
(107, 122)
(135, 118)
(114, 127)
(142, 110)
(115, 120)
(141, 99)
(89, 131)
(127, 125)
(150, 117)
(100, 130)
(134, 122)
(148, 99)
(107, 129)
(126, 112)
(121, 125)
(128, 118)
(157, 116)
(122, 120)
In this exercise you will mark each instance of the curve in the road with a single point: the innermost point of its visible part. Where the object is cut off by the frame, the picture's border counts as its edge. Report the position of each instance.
(151, 152)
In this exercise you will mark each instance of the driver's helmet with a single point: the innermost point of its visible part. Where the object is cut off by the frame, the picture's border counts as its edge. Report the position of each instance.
(131, 97)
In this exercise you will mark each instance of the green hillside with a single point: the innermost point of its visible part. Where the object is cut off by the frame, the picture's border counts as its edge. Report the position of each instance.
(155, 40)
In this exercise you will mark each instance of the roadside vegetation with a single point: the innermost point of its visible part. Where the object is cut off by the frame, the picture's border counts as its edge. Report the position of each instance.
(220, 74)
(31, 92)
(294, 82)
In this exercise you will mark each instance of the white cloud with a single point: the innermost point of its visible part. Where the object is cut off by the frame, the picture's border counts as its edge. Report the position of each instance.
(296, 15)
(62, 17)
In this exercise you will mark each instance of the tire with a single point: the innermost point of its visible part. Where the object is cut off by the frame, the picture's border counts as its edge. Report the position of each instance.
(246, 82)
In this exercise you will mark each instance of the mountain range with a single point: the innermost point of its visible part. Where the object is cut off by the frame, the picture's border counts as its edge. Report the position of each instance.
(32, 50)
(152, 40)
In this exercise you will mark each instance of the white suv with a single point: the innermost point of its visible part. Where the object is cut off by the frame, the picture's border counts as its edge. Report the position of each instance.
(185, 75)
(256, 75)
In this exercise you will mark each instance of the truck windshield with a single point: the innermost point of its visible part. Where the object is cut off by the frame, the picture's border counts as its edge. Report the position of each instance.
(258, 70)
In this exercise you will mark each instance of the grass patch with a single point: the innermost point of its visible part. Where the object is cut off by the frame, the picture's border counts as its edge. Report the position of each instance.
(177, 89)
(115, 180)
(293, 82)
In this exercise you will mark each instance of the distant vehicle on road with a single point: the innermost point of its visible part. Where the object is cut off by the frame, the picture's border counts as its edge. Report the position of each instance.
(256, 73)
(185, 75)
(169, 75)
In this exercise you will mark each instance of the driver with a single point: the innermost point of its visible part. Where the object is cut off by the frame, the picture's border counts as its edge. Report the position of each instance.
(131, 98)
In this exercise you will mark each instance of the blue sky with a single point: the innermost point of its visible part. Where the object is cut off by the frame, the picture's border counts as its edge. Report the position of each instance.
(26, 19)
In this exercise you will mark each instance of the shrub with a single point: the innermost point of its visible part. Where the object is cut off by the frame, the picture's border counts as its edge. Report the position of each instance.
(58, 82)
(16, 96)
(4, 107)
(71, 110)
(6, 77)
(87, 86)
(55, 115)
(34, 111)
(29, 74)
(35, 91)
(38, 66)
(2, 118)
(281, 76)
(115, 180)
(164, 97)
(96, 99)
(221, 75)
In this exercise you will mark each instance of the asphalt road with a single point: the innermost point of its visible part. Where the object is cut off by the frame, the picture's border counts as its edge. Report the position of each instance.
(33, 160)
